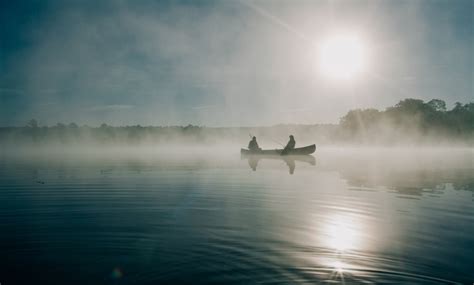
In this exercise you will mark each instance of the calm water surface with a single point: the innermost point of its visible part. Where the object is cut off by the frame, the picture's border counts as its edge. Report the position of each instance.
(138, 217)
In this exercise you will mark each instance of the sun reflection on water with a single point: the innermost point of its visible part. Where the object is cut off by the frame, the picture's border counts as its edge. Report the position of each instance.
(343, 232)
(344, 235)
(337, 269)
(338, 266)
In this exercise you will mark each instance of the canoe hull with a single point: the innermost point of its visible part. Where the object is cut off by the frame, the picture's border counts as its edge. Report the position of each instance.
(297, 151)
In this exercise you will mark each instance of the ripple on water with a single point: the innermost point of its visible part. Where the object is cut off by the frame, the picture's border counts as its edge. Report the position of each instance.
(228, 226)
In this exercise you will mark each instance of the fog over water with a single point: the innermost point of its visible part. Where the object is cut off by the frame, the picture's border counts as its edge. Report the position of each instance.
(204, 215)
(124, 128)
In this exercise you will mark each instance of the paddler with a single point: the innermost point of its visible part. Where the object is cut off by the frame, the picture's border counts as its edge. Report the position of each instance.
(290, 145)
(253, 145)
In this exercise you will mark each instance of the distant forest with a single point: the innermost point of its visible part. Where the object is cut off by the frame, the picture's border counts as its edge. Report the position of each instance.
(411, 121)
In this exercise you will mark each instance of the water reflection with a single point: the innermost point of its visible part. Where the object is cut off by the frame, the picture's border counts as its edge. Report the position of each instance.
(409, 173)
(338, 269)
(289, 160)
(342, 232)
(344, 236)
(158, 219)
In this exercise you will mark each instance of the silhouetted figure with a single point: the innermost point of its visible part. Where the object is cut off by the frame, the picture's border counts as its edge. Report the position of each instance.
(253, 145)
(289, 146)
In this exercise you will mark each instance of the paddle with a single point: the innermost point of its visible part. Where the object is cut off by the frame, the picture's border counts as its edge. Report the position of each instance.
(278, 142)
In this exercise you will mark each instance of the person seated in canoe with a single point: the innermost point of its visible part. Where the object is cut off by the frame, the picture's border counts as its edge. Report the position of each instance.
(289, 146)
(253, 145)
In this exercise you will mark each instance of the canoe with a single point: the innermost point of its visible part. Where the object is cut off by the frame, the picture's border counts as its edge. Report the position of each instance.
(297, 151)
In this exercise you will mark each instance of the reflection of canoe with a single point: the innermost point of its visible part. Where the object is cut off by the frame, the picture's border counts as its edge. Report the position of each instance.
(297, 151)
(288, 158)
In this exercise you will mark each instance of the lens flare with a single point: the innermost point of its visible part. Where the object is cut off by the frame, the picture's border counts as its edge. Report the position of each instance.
(116, 273)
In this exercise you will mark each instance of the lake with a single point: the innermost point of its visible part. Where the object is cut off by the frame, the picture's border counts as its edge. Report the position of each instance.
(197, 216)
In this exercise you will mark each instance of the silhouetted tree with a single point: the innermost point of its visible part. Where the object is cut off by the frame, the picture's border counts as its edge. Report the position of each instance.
(360, 120)
(437, 105)
(32, 123)
(409, 118)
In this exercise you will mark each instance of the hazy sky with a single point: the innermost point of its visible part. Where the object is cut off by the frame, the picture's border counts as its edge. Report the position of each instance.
(224, 63)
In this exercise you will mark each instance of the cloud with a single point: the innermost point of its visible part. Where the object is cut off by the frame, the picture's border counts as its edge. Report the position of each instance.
(46, 104)
(11, 91)
(110, 108)
(203, 107)
(297, 110)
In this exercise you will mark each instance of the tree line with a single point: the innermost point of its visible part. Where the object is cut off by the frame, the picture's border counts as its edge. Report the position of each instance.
(409, 121)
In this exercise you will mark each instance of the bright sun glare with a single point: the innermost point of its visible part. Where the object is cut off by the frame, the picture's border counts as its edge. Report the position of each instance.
(342, 233)
(342, 57)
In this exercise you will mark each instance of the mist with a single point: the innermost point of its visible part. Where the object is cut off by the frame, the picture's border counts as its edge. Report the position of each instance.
(411, 122)
(236, 142)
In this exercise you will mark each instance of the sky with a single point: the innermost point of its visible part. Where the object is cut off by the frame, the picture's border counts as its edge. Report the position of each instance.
(225, 63)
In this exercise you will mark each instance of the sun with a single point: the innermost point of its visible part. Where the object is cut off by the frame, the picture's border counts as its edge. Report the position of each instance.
(342, 56)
